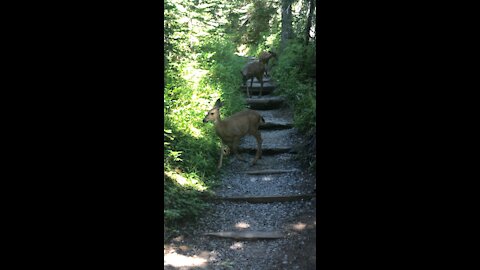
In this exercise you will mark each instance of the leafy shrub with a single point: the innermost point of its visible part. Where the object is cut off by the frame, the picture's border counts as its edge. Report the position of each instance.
(191, 147)
(293, 73)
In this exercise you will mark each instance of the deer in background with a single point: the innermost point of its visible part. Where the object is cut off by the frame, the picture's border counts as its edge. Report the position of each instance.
(235, 127)
(251, 70)
(264, 57)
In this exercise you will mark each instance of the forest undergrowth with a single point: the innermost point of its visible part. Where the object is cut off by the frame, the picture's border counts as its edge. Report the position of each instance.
(204, 47)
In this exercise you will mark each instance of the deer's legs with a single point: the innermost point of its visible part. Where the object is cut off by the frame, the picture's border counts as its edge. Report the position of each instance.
(260, 79)
(251, 83)
(258, 155)
(235, 150)
(224, 151)
(221, 158)
(261, 86)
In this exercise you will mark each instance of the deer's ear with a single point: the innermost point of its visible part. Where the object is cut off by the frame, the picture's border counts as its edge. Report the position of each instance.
(218, 103)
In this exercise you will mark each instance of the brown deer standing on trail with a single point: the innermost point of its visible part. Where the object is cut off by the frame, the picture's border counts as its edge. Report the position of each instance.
(232, 129)
(264, 57)
(251, 70)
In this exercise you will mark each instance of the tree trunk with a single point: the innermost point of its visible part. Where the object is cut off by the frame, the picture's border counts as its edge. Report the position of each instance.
(286, 23)
(309, 21)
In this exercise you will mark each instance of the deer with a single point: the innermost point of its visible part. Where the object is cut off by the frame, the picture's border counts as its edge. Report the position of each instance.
(235, 127)
(264, 57)
(251, 70)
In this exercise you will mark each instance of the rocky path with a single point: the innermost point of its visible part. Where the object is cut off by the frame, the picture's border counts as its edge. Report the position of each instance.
(263, 217)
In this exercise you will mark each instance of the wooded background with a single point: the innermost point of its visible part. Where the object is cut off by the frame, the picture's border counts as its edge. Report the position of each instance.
(205, 44)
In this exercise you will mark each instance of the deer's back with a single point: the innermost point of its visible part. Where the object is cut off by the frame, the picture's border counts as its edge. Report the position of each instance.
(253, 69)
(238, 125)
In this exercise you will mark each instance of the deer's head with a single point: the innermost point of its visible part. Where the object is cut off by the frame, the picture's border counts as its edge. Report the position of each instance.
(214, 113)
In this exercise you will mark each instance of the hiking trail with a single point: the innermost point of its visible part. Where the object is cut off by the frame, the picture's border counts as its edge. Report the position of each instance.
(263, 216)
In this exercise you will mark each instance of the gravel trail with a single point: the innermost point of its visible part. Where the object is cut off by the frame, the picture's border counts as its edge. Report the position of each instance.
(295, 220)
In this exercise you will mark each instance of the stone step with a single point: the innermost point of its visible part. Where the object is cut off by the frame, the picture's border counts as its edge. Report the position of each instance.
(265, 199)
(265, 79)
(274, 142)
(266, 85)
(265, 103)
(270, 171)
(247, 235)
(267, 151)
(237, 182)
(276, 125)
(256, 91)
(277, 117)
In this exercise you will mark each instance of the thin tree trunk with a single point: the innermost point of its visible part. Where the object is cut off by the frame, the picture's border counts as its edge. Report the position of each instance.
(286, 23)
(309, 21)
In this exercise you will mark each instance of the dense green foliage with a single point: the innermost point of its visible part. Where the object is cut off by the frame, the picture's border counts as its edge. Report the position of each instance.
(200, 67)
(203, 41)
(295, 76)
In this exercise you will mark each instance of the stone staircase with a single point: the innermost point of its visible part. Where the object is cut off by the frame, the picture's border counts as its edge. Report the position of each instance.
(260, 203)
(279, 136)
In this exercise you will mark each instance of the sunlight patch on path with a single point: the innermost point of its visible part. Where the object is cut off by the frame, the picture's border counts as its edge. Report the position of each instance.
(237, 246)
(177, 260)
(242, 225)
(299, 226)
